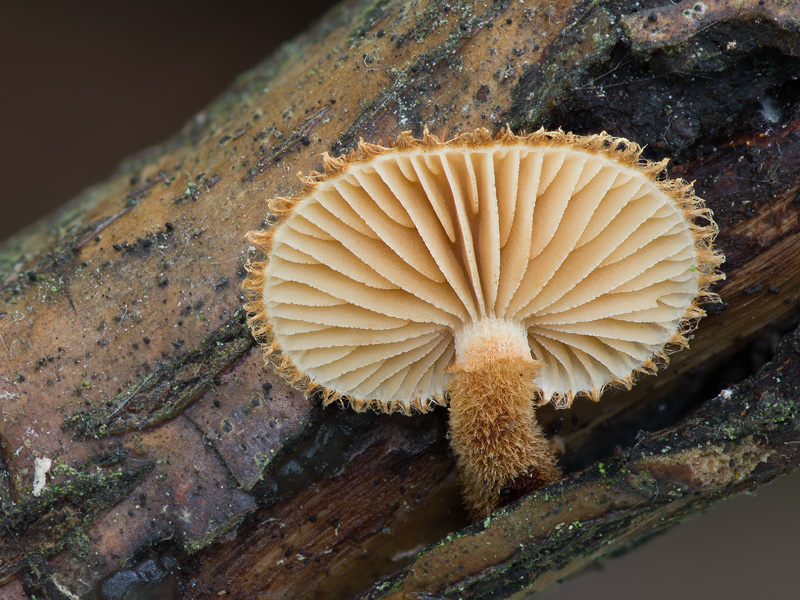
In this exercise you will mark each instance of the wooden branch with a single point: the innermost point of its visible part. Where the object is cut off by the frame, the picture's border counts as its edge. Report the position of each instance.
(124, 359)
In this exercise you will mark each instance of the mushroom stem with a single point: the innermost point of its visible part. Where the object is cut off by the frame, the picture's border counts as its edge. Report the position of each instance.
(493, 430)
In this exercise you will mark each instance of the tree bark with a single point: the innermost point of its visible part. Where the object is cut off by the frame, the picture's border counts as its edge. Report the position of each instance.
(126, 362)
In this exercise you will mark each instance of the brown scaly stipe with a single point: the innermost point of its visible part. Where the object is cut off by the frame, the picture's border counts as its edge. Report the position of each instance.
(494, 433)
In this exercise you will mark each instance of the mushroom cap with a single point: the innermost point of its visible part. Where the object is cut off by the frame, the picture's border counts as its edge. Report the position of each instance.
(378, 267)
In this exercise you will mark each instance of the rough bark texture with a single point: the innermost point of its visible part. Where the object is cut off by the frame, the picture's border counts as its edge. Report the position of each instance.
(124, 358)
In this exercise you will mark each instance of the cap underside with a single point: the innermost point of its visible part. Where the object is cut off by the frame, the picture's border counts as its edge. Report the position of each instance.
(375, 269)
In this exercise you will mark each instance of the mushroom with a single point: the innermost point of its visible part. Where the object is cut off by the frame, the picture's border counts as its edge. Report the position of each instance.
(492, 274)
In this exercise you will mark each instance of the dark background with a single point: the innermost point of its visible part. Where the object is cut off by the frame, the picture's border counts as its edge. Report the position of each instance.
(84, 84)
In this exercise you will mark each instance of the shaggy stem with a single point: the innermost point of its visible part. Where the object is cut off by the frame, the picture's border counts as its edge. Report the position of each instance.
(493, 430)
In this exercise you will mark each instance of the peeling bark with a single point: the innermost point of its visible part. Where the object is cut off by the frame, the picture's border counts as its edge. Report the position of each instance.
(123, 356)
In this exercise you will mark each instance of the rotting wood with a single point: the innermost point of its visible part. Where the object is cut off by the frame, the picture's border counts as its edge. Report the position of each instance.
(133, 281)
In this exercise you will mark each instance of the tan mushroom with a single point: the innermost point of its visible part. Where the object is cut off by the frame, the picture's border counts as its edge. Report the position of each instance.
(492, 273)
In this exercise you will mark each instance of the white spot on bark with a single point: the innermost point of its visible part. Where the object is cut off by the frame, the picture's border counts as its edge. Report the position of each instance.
(41, 467)
(769, 110)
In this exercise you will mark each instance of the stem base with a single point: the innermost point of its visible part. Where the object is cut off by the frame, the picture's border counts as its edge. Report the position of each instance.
(493, 430)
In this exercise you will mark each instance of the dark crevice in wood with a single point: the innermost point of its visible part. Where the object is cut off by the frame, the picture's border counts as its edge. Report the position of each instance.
(682, 398)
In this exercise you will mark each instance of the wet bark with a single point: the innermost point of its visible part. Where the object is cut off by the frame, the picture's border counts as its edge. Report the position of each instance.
(124, 358)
